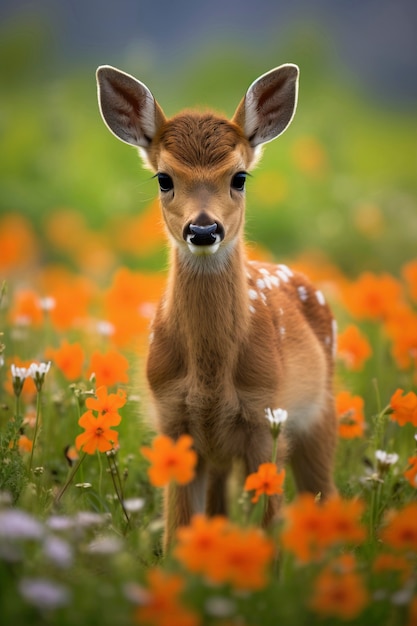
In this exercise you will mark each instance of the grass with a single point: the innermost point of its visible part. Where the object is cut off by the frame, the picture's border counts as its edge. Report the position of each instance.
(334, 196)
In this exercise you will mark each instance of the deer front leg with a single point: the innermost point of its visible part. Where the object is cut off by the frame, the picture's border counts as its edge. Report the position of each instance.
(311, 456)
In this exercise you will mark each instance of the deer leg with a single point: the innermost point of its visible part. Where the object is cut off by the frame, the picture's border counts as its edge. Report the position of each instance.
(182, 501)
(217, 491)
(311, 456)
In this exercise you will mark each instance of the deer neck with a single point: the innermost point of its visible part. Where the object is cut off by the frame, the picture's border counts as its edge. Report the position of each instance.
(207, 306)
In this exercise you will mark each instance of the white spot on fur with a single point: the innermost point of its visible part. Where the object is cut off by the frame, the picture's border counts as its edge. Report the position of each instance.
(303, 293)
(264, 271)
(320, 298)
(260, 283)
(286, 270)
(252, 309)
(253, 294)
(274, 280)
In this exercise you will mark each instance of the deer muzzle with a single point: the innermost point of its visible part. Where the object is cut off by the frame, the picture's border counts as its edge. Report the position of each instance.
(204, 235)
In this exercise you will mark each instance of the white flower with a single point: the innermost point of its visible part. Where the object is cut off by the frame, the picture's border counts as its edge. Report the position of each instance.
(40, 369)
(386, 459)
(38, 373)
(276, 417)
(133, 505)
(104, 328)
(104, 545)
(19, 372)
(47, 304)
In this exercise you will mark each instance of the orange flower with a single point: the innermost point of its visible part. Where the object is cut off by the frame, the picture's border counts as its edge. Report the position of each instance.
(404, 408)
(400, 529)
(339, 594)
(130, 302)
(129, 232)
(199, 543)
(267, 480)
(71, 294)
(106, 404)
(373, 297)
(390, 563)
(18, 243)
(224, 553)
(68, 358)
(171, 460)
(305, 528)
(26, 309)
(353, 348)
(401, 326)
(312, 527)
(409, 271)
(162, 605)
(109, 368)
(411, 473)
(98, 434)
(25, 444)
(343, 520)
(349, 410)
(243, 558)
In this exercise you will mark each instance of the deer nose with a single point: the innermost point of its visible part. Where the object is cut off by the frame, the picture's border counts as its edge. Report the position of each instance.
(203, 235)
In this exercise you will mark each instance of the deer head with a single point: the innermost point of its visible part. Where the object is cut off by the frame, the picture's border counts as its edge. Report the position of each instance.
(200, 159)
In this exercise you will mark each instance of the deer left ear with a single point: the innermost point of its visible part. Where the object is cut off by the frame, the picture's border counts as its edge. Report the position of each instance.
(269, 105)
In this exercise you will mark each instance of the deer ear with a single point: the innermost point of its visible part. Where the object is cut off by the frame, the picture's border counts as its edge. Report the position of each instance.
(127, 107)
(269, 105)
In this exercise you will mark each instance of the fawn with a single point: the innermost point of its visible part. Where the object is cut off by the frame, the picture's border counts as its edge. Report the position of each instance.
(231, 337)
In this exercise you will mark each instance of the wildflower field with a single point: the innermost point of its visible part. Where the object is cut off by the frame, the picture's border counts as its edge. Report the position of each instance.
(82, 264)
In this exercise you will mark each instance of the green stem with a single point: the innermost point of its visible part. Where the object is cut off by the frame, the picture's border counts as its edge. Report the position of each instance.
(70, 477)
(18, 420)
(100, 475)
(117, 488)
(38, 410)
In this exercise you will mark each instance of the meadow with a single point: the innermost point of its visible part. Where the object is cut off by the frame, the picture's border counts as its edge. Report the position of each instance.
(82, 264)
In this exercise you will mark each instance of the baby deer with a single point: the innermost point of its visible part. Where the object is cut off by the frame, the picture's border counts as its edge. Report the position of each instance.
(231, 337)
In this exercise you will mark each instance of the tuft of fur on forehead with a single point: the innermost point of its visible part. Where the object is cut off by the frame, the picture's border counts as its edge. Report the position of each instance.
(200, 139)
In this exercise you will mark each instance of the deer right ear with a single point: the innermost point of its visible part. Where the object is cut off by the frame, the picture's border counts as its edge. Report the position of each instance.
(127, 107)
(269, 105)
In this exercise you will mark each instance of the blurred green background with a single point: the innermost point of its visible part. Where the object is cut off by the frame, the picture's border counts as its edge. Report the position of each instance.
(339, 184)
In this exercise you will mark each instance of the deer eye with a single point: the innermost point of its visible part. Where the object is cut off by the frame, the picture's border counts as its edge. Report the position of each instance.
(238, 181)
(165, 182)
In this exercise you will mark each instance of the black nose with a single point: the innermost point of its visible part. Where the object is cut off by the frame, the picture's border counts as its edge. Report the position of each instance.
(203, 235)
